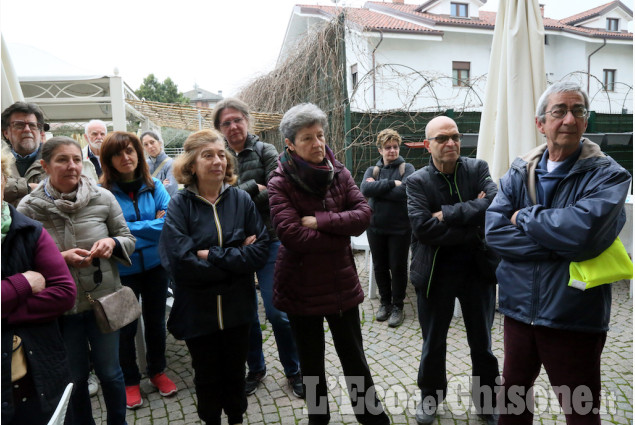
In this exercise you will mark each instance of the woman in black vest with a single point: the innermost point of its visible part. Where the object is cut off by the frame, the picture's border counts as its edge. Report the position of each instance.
(36, 289)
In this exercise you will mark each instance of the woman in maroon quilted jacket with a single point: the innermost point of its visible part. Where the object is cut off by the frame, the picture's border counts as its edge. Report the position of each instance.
(315, 208)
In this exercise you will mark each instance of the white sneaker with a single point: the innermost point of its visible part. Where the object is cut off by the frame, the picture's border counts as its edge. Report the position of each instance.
(93, 384)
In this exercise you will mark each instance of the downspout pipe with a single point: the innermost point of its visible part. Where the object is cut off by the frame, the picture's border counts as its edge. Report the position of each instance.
(381, 38)
(588, 67)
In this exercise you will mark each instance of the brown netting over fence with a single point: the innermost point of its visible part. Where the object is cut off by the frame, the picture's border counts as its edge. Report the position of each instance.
(314, 73)
(188, 117)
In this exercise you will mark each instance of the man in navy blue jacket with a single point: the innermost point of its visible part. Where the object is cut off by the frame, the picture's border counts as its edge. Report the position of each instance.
(561, 202)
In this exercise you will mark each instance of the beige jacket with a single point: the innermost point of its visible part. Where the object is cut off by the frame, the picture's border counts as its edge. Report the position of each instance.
(80, 227)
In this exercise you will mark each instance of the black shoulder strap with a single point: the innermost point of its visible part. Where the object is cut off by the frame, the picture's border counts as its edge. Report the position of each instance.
(258, 148)
(402, 170)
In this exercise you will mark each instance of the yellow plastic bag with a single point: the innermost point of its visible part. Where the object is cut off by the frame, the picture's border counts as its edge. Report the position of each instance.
(610, 266)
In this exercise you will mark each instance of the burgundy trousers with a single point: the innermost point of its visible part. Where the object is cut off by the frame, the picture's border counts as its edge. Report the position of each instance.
(572, 362)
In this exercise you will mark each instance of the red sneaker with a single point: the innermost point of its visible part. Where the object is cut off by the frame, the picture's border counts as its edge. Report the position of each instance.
(164, 384)
(133, 397)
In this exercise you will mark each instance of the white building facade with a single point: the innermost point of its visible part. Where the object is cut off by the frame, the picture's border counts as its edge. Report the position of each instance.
(435, 56)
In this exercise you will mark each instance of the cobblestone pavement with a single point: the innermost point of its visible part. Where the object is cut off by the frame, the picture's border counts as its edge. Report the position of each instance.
(393, 356)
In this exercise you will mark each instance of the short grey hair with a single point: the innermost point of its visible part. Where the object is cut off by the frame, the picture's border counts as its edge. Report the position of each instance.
(233, 103)
(91, 122)
(560, 87)
(301, 116)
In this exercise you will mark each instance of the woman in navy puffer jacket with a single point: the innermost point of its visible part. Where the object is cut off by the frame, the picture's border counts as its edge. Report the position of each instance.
(144, 201)
(212, 243)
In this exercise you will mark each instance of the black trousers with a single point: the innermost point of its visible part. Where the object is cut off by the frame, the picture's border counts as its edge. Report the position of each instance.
(457, 280)
(390, 264)
(219, 360)
(347, 338)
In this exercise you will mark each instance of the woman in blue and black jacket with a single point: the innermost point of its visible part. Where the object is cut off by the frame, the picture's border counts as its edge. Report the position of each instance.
(144, 202)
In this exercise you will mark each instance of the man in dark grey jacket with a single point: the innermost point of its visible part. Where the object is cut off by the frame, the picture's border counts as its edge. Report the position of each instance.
(447, 201)
(256, 160)
(561, 202)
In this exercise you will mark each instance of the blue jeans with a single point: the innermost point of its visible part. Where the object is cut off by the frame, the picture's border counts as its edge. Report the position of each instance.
(153, 287)
(287, 350)
(77, 331)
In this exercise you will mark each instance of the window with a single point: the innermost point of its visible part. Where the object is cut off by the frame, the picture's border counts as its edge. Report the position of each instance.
(459, 10)
(460, 74)
(546, 40)
(612, 24)
(354, 75)
(609, 80)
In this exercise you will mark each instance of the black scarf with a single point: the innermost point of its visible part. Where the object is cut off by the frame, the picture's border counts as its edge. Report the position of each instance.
(315, 179)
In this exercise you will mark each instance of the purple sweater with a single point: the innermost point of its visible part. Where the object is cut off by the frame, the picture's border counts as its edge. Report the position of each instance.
(20, 305)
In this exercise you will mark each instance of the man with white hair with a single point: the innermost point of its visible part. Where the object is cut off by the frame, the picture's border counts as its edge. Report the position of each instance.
(94, 134)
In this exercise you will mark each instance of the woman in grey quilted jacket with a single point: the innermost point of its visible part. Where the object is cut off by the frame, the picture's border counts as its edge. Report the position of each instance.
(89, 229)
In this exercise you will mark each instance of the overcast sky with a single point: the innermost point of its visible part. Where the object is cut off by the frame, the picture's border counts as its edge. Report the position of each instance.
(217, 44)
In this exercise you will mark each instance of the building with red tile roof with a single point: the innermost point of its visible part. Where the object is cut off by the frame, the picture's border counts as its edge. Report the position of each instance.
(435, 55)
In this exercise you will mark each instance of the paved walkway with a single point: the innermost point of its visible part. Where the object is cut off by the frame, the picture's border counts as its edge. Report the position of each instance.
(393, 355)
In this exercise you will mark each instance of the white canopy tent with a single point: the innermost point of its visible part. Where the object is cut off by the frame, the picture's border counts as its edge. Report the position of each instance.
(67, 94)
(515, 82)
(82, 98)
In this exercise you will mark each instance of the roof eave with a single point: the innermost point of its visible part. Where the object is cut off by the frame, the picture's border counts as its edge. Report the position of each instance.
(401, 15)
(404, 31)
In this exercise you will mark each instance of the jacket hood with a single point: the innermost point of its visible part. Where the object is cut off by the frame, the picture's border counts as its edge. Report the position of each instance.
(531, 159)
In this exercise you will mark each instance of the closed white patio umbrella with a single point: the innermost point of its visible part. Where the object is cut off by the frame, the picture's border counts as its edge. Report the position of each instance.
(515, 82)
(11, 90)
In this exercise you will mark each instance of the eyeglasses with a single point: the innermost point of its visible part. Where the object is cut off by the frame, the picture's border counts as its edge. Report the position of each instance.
(21, 125)
(578, 112)
(444, 138)
(97, 276)
(227, 124)
(391, 148)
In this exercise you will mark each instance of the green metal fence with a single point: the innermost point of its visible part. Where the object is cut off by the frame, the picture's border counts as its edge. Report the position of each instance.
(411, 127)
